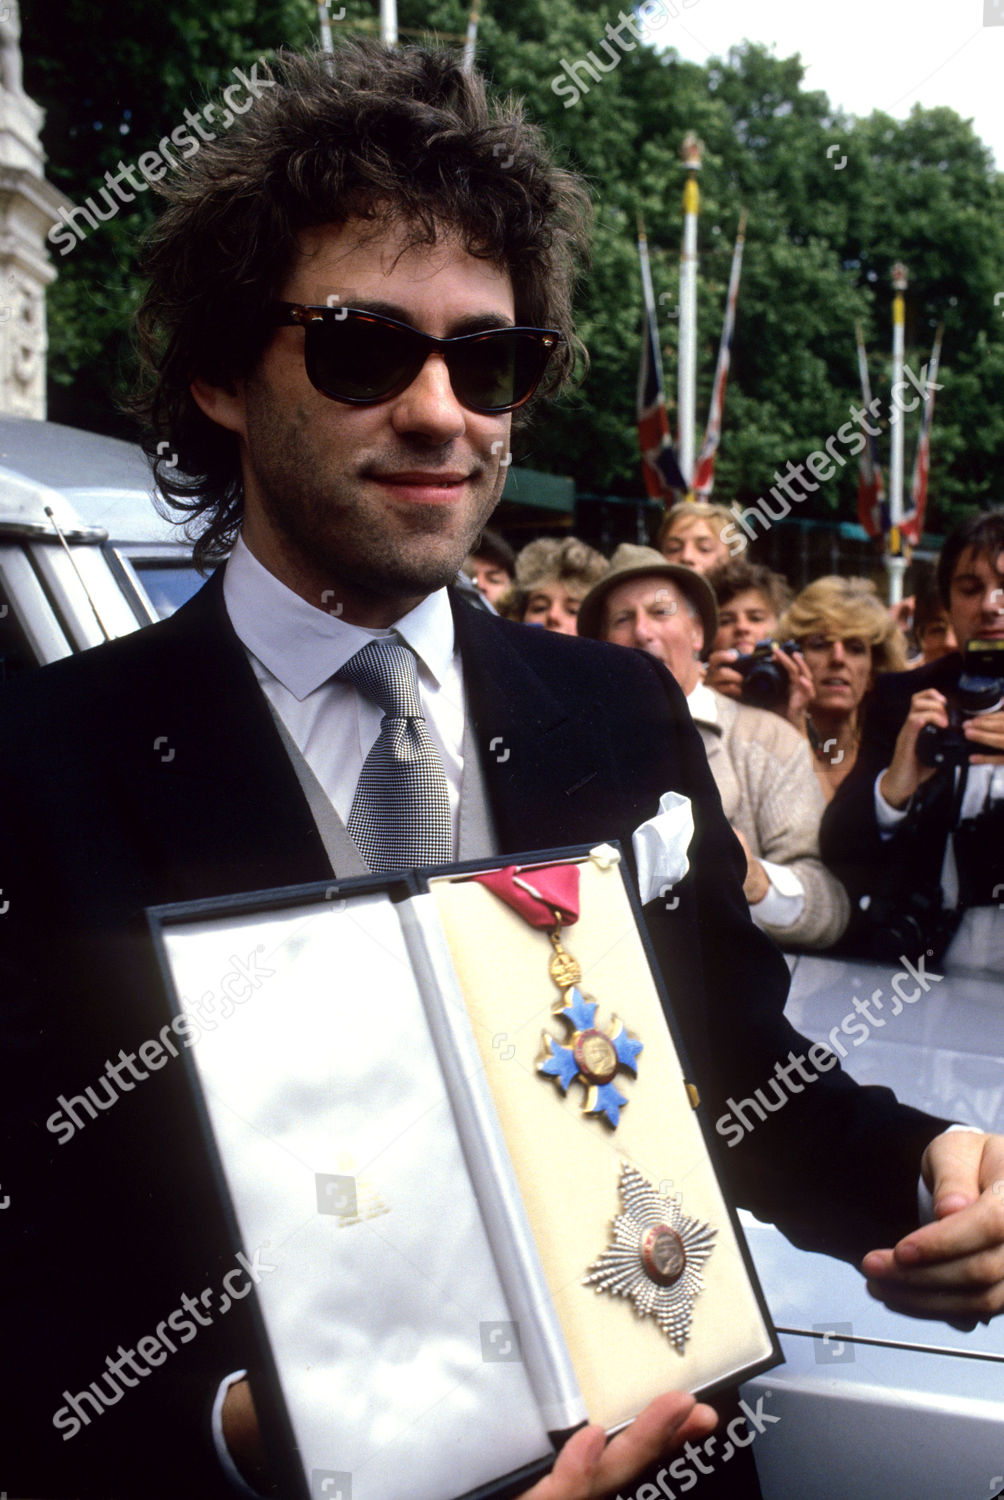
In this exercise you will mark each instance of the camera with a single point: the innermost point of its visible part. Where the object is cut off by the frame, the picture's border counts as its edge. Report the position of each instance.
(980, 690)
(885, 926)
(765, 683)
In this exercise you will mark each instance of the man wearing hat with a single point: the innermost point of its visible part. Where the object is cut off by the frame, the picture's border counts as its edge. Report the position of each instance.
(761, 765)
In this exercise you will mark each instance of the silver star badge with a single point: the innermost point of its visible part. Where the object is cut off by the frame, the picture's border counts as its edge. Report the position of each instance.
(656, 1257)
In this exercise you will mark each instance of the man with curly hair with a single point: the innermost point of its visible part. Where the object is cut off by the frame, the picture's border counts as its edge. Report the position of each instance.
(355, 294)
(916, 837)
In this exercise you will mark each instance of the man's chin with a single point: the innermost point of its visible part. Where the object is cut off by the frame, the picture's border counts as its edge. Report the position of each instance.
(411, 579)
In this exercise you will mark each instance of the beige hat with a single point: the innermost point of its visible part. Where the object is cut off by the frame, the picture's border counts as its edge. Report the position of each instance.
(631, 561)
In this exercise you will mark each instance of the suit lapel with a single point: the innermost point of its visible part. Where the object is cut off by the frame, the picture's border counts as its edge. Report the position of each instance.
(549, 779)
(224, 810)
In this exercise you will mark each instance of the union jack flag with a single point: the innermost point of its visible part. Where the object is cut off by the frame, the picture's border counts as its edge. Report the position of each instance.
(660, 470)
(704, 479)
(913, 522)
(873, 511)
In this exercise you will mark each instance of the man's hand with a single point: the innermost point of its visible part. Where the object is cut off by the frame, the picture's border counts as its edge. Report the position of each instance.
(756, 884)
(953, 1268)
(986, 729)
(242, 1436)
(905, 772)
(588, 1467)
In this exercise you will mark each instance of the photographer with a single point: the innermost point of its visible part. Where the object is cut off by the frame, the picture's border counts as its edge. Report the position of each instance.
(751, 599)
(916, 832)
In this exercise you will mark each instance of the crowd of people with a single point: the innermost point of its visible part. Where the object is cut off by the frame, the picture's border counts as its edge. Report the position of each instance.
(781, 688)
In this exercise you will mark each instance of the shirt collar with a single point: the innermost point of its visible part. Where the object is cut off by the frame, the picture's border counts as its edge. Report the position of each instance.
(303, 646)
(703, 706)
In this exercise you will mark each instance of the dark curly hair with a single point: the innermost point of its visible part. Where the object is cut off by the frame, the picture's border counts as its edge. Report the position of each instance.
(983, 532)
(398, 136)
(739, 577)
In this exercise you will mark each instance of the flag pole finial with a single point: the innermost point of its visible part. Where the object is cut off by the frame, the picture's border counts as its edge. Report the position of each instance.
(692, 151)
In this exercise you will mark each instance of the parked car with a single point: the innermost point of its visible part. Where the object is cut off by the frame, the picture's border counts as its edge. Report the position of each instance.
(84, 554)
(874, 1404)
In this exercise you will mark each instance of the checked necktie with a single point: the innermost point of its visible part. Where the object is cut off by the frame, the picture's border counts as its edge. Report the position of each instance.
(400, 814)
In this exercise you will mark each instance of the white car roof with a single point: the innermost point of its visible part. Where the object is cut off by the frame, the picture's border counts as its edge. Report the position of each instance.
(86, 479)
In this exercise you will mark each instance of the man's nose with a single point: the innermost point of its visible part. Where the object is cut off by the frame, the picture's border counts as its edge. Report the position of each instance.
(428, 405)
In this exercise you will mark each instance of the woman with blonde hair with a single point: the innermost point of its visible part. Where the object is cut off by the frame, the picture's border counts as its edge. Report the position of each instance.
(691, 534)
(553, 576)
(846, 637)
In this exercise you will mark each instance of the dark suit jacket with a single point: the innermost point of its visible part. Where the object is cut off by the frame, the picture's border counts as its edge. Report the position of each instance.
(149, 771)
(849, 838)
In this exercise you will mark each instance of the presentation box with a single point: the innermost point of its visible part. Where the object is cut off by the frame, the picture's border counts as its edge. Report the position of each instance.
(468, 1150)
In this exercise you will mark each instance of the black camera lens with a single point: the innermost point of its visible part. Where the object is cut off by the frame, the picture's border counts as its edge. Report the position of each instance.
(765, 685)
(765, 682)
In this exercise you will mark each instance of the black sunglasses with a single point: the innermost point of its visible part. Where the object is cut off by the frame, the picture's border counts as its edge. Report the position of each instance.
(363, 358)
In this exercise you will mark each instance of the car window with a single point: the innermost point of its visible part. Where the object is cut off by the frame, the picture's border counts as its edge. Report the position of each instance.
(169, 586)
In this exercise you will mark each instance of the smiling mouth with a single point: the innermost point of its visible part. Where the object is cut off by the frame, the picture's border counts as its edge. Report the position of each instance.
(432, 478)
(423, 486)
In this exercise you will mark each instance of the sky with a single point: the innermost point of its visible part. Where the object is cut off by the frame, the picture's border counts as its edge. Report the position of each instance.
(867, 54)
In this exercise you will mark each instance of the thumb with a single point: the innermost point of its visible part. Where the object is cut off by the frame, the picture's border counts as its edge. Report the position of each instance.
(574, 1468)
(952, 1167)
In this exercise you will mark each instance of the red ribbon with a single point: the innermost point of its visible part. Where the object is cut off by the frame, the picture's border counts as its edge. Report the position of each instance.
(537, 892)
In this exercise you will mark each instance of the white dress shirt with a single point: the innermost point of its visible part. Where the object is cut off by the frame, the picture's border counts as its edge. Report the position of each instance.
(295, 649)
(979, 940)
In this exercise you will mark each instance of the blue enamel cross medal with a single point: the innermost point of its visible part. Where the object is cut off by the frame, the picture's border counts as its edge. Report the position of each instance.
(590, 1054)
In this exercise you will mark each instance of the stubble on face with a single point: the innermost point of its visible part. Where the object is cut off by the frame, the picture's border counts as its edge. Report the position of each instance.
(330, 538)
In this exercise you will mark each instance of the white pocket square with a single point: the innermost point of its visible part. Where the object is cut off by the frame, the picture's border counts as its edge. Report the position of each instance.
(661, 844)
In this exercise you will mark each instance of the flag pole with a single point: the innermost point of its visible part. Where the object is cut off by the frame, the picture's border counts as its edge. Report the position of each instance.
(895, 561)
(704, 475)
(388, 22)
(687, 351)
(327, 42)
(471, 41)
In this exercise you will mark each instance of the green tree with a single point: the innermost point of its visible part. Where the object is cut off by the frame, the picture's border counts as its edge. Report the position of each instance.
(833, 203)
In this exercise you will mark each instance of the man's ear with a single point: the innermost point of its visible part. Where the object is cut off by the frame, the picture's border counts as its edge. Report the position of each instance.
(223, 406)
